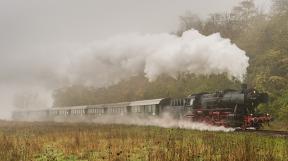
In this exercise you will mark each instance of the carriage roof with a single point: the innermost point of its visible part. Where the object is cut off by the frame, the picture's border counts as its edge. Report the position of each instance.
(146, 102)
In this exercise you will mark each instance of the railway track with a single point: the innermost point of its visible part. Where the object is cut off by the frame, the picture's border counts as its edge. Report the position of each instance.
(266, 132)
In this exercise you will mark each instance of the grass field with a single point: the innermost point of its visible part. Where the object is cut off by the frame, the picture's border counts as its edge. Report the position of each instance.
(89, 142)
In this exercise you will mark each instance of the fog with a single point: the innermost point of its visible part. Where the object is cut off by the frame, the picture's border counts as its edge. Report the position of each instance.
(40, 39)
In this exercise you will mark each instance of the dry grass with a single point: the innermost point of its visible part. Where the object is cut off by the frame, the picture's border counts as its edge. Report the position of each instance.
(59, 141)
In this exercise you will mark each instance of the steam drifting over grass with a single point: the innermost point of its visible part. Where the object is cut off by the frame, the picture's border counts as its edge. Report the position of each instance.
(165, 121)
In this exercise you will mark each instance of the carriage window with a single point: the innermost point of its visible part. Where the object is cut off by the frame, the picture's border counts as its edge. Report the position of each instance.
(148, 108)
(136, 109)
(191, 102)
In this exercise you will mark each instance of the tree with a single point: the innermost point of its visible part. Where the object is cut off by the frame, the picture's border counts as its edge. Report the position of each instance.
(189, 21)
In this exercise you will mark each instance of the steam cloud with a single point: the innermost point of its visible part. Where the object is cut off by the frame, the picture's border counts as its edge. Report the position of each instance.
(165, 121)
(108, 61)
(124, 56)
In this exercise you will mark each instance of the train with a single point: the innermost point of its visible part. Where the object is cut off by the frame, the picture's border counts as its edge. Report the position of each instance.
(228, 108)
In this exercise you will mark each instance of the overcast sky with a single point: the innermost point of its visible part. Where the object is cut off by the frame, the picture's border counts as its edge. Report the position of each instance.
(37, 34)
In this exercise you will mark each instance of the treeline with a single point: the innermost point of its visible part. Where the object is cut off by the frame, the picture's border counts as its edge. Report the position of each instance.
(264, 36)
(138, 87)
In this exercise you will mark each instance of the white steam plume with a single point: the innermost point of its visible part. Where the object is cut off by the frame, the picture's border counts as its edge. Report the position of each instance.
(165, 121)
(124, 56)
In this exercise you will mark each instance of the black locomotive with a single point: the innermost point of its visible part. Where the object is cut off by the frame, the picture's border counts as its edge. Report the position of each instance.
(231, 108)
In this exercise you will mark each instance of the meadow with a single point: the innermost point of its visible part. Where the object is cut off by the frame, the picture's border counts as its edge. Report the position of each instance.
(20, 141)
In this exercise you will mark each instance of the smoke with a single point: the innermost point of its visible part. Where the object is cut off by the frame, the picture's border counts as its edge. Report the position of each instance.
(164, 121)
(111, 60)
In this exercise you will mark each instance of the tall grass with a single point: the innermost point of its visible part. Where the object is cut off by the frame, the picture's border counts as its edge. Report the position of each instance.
(64, 141)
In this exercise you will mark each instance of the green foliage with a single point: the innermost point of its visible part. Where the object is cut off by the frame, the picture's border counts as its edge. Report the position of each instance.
(280, 106)
(51, 153)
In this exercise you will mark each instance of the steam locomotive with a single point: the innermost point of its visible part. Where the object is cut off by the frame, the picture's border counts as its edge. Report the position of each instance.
(229, 108)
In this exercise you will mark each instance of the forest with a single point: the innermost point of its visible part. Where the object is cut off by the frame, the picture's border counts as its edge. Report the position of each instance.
(264, 37)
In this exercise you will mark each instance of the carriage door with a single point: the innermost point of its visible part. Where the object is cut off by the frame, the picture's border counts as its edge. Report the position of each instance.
(157, 109)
